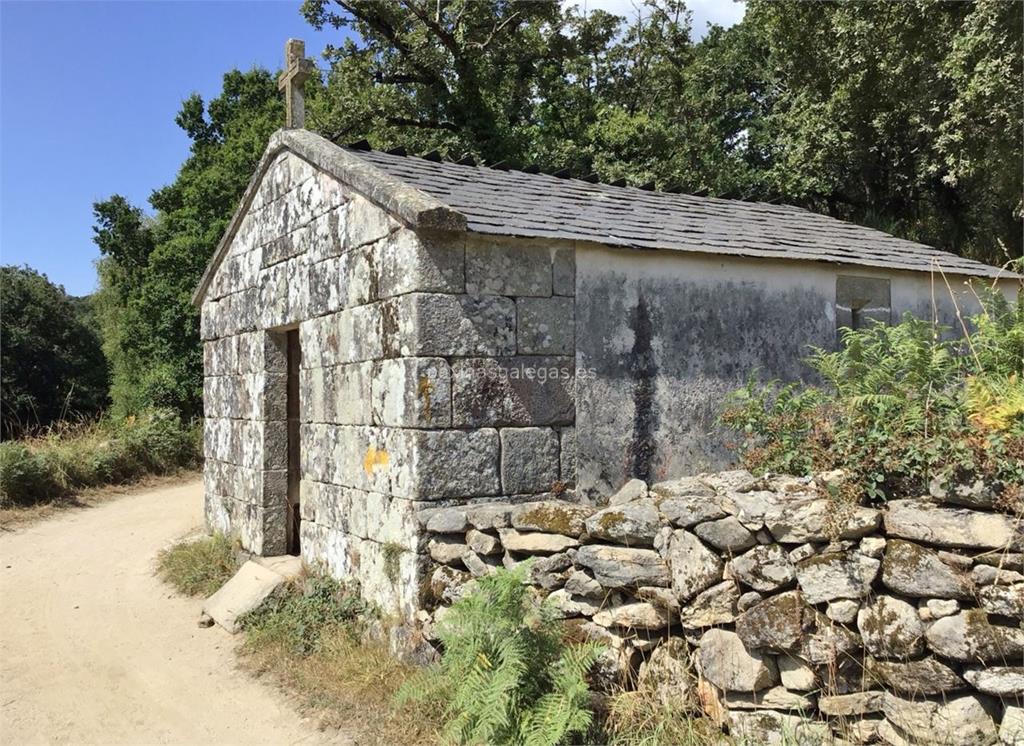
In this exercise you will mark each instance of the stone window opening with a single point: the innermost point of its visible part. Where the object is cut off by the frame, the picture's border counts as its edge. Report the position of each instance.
(861, 301)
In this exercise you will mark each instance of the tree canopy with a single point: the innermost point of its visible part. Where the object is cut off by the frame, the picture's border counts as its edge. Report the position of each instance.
(903, 116)
(149, 267)
(50, 354)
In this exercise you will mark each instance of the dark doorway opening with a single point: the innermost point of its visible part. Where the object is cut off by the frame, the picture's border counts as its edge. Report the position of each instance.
(293, 518)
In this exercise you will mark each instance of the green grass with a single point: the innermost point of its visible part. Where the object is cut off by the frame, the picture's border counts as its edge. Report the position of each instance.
(200, 567)
(67, 459)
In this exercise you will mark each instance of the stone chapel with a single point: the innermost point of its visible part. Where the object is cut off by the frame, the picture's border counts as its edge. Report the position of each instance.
(384, 333)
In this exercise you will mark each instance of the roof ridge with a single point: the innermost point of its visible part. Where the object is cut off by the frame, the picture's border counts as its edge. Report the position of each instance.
(550, 205)
(531, 169)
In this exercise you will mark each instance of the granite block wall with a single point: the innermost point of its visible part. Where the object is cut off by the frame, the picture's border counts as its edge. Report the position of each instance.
(436, 368)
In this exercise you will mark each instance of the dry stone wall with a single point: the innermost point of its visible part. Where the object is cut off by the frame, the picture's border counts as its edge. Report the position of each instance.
(435, 369)
(784, 613)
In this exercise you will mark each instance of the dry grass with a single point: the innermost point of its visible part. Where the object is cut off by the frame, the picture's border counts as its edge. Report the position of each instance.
(310, 637)
(61, 463)
(306, 639)
(639, 718)
(12, 518)
(348, 685)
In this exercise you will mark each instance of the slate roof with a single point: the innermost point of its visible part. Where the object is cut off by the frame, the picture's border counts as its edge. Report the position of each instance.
(437, 195)
(508, 202)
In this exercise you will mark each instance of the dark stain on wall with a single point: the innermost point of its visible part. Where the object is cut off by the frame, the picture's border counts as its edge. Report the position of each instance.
(642, 367)
(662, 355)
(389, 329)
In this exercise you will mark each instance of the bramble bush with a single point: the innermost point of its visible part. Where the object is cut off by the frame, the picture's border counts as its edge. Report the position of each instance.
(901, 405)
(69, 458)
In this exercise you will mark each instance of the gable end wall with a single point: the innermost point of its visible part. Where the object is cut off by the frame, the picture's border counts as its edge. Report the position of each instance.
(419, 381)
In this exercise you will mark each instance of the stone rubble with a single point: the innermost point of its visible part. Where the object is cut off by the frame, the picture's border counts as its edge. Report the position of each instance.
(890, 628)
(927, 676)
(633, 524)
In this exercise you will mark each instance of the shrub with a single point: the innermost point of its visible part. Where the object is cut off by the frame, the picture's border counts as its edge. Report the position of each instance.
(902, 404)
(24, 475)
(52, 361)
(159, 442)
(781, 425)
(199, 567)
(67, 458)
(298, 619)
(506, 675)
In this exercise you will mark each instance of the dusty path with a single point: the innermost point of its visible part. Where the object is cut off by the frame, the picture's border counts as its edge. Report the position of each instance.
(94, 649)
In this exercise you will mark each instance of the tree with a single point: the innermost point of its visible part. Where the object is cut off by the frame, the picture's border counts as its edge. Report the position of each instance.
(904, 116)
(452, 76)
(979, 141)
(150, 266)
(53, 367)
(124, 236)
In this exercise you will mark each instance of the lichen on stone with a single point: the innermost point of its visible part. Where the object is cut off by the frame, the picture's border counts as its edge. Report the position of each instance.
(611, 519)
(550, 518)
(392, 553)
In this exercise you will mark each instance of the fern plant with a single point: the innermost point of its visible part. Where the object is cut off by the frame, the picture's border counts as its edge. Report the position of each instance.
(997, 341)
(901, 404)
(996, 403)
(506, 675)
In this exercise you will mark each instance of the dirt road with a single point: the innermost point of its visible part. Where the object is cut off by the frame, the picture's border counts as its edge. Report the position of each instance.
(94, 649)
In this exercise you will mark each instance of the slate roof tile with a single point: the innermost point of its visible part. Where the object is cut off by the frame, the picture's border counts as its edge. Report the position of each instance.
(500, 202)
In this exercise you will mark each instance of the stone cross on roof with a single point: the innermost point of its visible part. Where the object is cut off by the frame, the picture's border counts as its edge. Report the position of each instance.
(297, 70)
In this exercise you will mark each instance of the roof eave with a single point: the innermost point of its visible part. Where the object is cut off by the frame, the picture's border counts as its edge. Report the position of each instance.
(415, 208)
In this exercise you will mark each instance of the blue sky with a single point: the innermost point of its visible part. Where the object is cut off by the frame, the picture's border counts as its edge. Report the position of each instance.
(88, 96)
